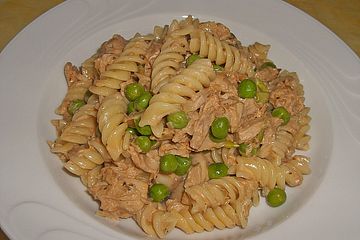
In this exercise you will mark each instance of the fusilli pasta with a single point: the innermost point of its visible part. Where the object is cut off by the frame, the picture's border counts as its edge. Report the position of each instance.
(182, 128)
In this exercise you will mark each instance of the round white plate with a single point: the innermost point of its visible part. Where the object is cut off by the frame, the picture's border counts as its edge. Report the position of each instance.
(39, 200)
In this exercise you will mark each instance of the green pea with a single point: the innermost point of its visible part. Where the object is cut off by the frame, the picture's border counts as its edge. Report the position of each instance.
(75, 105)
(247, 88)
(214, 139)
(191, 59)
(220, 127)
(144, 143)
(131, 130)
(159, 192)
(142, 102)
(217, 170)
(267, 64)
(178, 120)
(154, 143)
(168, 163)
(145, 130)
(131, 107)
(276, 197)
(218, 68)
(281, 113)
(183, 165)
(133, 91)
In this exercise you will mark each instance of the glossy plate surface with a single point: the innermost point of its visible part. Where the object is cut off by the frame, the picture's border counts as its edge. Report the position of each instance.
(40, 201)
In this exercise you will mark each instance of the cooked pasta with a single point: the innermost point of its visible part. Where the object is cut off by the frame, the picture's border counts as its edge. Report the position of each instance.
(217, 192)
(121, 69)
(220, 52)
(82, 126)
(87, 162)
(183, 128)
(172, 54)
(156, 222)
(177, 91)
(225, 216)
(110, 117)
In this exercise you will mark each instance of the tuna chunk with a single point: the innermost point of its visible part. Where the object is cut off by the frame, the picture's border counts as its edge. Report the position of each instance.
(220, 31)
(267, 74)
(113, 46)
(287, 98)
(249, 130)
(102, 62)
(120, 195)
(199, 172)
(207, 114)
(180, 149)
(148, 162)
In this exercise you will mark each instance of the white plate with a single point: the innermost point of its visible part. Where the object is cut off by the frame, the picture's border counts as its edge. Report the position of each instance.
(40, 201)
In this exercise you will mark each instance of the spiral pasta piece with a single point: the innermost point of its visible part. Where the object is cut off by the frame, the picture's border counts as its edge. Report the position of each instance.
(111, 123)
(302, 139)
(122, 68)
(269, 175)
(225, 216)
(288, 138)
(98, 135)
(87, 162)
(259, 52)
(263, 171)
(82, 126)
(172, 54)
(220, 52)
(168, 62)
(217, 192)
(295, 168)
(77, 83)
(156, 222)
(177, 91)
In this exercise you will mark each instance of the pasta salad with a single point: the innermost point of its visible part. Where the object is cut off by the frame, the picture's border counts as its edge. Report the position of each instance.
(183, 128)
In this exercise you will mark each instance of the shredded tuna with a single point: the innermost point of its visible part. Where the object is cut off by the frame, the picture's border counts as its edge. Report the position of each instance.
(71, 73)
(180, 149)
(103, 61)
(233, 111)
(198, 100)
(148, 162)
(220, 31)
(249, 130)
(287, 98)
(120, 195)
(78, 84)
(267, 74)
(113, 46)
(207, 114)
(199, 172)
(183, 135)
(269, 133)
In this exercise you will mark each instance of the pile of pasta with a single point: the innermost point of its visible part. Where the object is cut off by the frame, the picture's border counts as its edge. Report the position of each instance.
(193, 73)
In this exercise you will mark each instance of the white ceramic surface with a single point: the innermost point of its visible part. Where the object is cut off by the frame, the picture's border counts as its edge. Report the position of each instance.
(41, 201)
